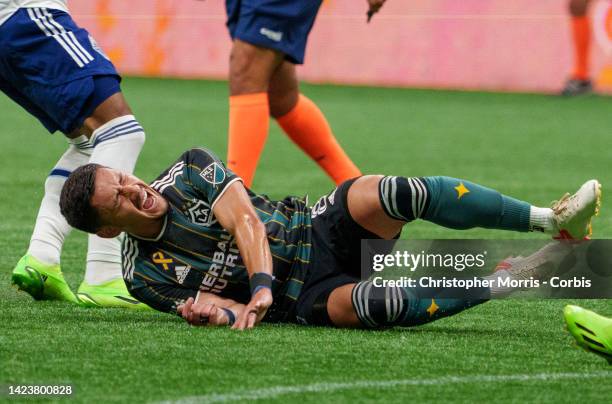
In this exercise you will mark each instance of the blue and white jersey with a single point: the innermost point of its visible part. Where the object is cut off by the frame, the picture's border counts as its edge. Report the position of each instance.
(8, 7)
(50, 66)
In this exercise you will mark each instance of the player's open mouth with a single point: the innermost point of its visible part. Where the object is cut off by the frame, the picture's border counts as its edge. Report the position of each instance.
(148, 201)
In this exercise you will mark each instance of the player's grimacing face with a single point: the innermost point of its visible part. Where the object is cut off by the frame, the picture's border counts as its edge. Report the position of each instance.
(125, 202)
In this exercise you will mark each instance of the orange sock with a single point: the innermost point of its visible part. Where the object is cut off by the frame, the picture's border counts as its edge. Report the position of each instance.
(306, 125)
(249, 120)
(581, 29)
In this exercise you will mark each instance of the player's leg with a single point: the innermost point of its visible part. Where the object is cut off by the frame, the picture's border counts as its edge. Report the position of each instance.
(365, 305)
(461, 204)
(117, 138)
(579, 81)
(265, 33)
(38, 272)
(373, 304)
(249, 117)
(306, 125)
(78, 90)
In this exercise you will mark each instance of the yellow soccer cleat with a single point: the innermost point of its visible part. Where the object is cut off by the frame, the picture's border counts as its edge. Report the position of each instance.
(592, 332)
(42, 282)
(110, 294)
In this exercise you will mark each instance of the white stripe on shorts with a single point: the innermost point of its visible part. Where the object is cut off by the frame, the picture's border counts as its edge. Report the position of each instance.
(67, 40)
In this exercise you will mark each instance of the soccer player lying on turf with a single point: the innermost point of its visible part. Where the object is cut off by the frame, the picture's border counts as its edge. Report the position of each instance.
(196, 230)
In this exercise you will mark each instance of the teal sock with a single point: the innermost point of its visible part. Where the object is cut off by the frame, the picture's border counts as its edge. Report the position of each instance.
(384, 306)
(461, 204)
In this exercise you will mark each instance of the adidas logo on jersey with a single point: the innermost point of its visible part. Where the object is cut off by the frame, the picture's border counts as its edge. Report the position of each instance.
(181, 273)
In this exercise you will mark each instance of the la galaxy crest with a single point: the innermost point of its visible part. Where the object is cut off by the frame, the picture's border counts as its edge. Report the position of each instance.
(199, 212)
(213, 174)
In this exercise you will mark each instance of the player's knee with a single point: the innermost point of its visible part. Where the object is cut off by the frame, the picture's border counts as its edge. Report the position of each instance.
(113, 107)
(138, 139)
(403, 198)
(123, 130)
(281, 103)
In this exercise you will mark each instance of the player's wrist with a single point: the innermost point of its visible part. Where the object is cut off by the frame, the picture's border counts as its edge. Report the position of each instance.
(260, 281)
(231, 317)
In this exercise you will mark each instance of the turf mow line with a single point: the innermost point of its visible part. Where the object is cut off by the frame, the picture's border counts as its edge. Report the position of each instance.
(273, 392)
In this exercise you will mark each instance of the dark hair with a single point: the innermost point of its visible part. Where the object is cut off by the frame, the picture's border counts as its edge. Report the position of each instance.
(75, 200)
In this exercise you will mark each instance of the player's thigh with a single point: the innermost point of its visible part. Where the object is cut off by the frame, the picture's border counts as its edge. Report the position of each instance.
(114, 106)
(284, 90)
(251, 67)
(312, 306)
(340, 307)
(366, 209)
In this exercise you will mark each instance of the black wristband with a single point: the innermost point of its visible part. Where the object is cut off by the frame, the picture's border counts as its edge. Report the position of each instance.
(260, 280)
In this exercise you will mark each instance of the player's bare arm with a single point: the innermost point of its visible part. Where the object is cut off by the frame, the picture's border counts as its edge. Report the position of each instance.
(236, 214)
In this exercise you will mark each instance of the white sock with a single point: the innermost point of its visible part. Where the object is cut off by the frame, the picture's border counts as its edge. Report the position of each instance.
(541, 219)
(51, 228)
(103, 260)
(117, 144)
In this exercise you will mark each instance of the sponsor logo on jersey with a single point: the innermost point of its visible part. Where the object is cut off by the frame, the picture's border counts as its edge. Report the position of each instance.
(213, 174)
(160, 259)
(319, 208)
(200, 213)
(275, 36)
(332, 197)
(223, 262)
(181, 273)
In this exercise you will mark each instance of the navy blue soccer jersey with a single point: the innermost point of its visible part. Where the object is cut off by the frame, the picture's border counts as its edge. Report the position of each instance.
(195, 253)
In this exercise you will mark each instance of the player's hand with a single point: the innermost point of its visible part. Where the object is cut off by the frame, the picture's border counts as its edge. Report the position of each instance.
(255, 310)
(373, 7)
(200, 314)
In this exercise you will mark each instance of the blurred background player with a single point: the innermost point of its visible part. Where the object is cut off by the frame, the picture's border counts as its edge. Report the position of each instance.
(56, 71)
(269, 39)
(591, 331)
(580, 81)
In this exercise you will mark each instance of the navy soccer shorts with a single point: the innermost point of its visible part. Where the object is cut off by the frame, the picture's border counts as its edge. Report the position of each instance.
(280, 25)
(53, 69)
(336, 255)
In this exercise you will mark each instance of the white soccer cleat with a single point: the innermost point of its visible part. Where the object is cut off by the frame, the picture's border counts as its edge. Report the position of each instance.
(572, 214)
(539, 265)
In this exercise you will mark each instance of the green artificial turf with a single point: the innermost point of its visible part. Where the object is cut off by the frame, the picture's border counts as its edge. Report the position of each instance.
(533, 147)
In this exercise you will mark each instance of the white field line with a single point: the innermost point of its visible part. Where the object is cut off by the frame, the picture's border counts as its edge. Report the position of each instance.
(273, 392)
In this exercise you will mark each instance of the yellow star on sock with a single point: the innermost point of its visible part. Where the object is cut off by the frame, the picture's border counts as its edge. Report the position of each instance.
(433, 308)
(461, 190)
